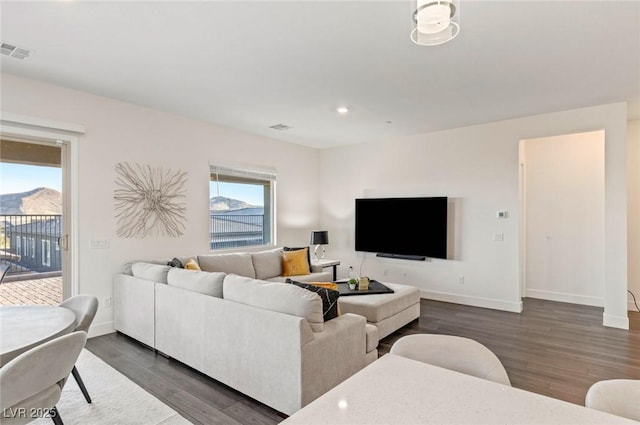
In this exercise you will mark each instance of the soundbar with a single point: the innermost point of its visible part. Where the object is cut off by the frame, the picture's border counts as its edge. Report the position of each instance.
(402, 257)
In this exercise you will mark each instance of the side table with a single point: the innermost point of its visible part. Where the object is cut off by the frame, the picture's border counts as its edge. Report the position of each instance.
(327, 263)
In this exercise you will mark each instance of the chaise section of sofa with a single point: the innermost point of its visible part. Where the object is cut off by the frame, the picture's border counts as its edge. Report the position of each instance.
(265, 339)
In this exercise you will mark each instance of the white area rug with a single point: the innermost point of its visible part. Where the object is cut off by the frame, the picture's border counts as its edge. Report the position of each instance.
(116, 399)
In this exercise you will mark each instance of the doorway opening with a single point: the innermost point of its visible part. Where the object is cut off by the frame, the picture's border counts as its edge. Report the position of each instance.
(562, 249)
(32, 232)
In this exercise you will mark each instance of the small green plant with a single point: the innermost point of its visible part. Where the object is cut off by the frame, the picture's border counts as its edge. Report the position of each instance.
(352, 283)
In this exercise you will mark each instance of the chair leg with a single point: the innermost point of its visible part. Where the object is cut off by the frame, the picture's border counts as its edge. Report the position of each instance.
(78, 379)
(55, 416)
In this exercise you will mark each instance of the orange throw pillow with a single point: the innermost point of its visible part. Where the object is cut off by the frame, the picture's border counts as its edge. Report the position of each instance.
(328, 285)
(191, 265)
(295, 263)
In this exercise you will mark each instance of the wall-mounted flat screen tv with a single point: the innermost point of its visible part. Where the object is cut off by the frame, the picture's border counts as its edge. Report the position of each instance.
(402, 226)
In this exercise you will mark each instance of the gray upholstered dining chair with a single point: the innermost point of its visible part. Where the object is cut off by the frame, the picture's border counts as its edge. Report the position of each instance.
(619, 397)
(31, 384)
(85, 308)
(463, 355)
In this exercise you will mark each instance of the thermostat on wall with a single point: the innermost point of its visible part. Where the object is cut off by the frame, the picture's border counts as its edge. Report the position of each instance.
(501, 214)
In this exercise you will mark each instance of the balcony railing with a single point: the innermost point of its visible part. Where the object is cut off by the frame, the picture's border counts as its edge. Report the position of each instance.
(231, 230)
(29, 243)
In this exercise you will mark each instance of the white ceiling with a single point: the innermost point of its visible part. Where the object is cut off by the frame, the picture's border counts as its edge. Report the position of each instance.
(250, 65)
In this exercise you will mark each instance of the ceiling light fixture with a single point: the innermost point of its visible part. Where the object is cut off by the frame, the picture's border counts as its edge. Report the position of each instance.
(435, 21)
(342, 109)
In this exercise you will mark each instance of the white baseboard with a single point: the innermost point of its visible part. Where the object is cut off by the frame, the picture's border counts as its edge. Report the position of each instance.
(103, 328)
(473, 301)
(565, 298)
(615, 321)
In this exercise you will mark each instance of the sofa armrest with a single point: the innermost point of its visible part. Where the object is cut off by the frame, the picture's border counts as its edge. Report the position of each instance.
(335, 354)
(372, 337)
(134, 307)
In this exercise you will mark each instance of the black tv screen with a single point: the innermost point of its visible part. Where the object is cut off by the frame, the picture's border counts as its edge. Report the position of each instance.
(402, 226)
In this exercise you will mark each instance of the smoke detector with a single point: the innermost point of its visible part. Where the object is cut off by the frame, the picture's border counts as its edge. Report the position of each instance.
(280, 127)
(13, 51)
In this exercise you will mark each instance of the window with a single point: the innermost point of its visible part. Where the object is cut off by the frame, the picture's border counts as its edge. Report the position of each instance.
(18, 245)
(32, 247)
(25, 247)
(241, 207)
(46, 253)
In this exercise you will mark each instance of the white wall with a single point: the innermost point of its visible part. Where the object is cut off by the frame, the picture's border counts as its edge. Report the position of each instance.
(117, 131)
(478, 167)
(634, 210)
(565, 218)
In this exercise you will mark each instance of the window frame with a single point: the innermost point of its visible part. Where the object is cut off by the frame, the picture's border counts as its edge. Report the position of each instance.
(247, 174)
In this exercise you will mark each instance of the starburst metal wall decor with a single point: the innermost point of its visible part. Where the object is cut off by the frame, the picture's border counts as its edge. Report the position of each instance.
(148, 201)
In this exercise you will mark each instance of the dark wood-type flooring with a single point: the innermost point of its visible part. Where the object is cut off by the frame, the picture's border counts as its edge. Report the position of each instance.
(555, 349)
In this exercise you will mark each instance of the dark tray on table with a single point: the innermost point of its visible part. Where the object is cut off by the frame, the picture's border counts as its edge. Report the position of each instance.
(375, 287)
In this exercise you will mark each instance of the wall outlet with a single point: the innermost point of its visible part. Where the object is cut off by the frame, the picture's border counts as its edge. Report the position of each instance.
(461, 280)
(385, 273)
(107, 302)
(498, 237)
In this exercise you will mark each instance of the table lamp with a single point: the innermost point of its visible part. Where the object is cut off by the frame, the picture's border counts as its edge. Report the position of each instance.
(319, 237)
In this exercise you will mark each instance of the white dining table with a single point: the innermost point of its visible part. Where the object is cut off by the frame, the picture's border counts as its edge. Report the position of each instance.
(24, 327)
(396, 390)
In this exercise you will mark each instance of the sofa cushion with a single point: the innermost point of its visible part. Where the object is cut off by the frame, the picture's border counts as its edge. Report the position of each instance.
(202, 282)
(313, 277)
(295, 263)
(329, 298)
(288, 299)
(239, 263)
(152, 272)
(267, 264)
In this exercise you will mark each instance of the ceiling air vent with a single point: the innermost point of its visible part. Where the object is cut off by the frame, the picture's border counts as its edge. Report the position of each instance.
(13, 51)
(280, 127)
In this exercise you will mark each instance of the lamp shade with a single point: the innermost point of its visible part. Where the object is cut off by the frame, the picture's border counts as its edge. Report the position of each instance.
(319, 237)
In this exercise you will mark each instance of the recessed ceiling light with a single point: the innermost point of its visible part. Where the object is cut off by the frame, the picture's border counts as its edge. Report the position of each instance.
(342, 109)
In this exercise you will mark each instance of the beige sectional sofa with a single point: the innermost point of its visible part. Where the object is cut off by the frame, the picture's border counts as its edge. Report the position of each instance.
(267, 340)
